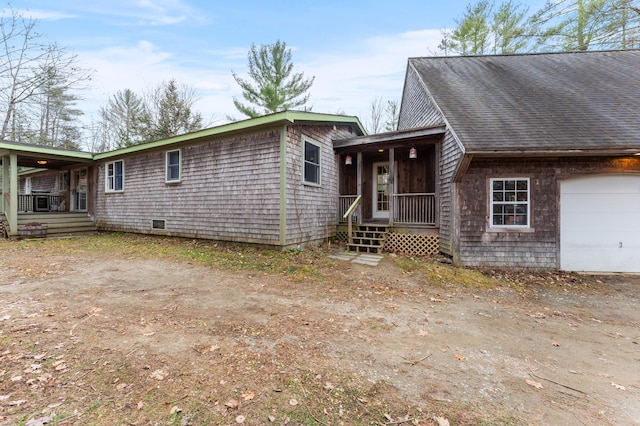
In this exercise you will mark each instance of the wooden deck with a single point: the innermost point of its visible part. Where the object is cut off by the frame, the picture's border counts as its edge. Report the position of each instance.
(59, 223)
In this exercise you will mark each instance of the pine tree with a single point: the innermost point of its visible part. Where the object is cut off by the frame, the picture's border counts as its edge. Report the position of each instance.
(273, 86)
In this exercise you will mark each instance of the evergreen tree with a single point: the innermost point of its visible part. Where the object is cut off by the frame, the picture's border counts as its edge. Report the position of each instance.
(57, 116)
(127, 118)
(172, 112)
(273, 86)
(471, 37)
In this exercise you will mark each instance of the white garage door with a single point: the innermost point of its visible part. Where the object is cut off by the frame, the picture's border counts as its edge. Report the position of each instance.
(600, 224)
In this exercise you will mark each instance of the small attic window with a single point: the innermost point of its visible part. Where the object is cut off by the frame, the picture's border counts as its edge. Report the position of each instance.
(158, 224)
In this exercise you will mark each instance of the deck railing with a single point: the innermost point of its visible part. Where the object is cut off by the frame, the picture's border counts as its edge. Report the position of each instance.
(26, 203)
(344, 202)
(355, 206)
(415, 208)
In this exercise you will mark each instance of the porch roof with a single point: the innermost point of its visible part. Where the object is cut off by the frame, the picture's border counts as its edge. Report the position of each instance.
(29, 155)
(398, 138)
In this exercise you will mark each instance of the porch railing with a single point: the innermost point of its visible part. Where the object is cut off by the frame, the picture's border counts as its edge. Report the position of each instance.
(26, 203)
(349, 216)
(417, 208)
(344, 202)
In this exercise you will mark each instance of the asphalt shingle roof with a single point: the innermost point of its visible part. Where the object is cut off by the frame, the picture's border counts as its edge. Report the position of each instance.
(539, 102)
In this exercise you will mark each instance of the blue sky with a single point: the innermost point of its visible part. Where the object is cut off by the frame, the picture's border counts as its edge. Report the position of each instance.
(357, 50)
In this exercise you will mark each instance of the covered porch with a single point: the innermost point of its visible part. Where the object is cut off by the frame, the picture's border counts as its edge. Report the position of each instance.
(43, 186)
(391, 180)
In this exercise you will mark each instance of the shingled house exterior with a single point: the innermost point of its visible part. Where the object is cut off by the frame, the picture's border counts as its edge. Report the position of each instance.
(270, 181)
(508, 161)
(538, 163)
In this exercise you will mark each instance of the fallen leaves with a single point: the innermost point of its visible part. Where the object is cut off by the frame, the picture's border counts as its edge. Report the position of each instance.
(248, 396)
(536, 385)
(158, 375)
(442, 421)
(232, 404)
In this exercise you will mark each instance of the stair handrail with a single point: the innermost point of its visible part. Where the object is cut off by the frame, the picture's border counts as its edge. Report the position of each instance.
(348, 215)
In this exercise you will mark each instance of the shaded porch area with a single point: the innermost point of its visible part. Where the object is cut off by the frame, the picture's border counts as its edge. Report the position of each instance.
(43, 191)
(390, 181)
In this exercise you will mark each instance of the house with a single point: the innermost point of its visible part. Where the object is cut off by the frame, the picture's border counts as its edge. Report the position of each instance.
(270, 181)
(538, 166)
(510, 161)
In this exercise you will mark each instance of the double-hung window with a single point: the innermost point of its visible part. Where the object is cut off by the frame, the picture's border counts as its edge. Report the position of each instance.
(174, 166)
(510, 203)
(311, 167)
(114, 176)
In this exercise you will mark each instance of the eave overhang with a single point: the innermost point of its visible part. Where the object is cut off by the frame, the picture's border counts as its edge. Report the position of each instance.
(251, 125)
(388, 139)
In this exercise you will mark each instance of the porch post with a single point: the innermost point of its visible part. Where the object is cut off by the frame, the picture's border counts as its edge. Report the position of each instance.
(13, 195)
(359, 183)
(5, 182)
(392, 174)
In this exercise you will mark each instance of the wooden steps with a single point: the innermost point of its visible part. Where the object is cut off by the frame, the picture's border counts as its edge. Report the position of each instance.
(368, 238)
(59, 224)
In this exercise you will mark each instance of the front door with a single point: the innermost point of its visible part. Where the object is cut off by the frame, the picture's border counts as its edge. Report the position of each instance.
(380, 191)
(79, 190)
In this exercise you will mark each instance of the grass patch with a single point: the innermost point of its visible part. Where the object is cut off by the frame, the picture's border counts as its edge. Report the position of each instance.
(437, 273)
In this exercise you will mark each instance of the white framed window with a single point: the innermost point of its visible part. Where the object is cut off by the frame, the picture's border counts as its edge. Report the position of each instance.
(173, 162)
(311, 162)
(510, 203)
(114, 176)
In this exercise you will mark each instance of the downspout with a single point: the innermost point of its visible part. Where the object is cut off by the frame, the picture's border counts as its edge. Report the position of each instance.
(283, 186)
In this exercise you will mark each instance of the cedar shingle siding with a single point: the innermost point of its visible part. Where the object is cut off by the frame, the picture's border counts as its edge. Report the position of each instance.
(419, 110)
(542, 116)
(312, 210)
(230, 190)
(536, 248)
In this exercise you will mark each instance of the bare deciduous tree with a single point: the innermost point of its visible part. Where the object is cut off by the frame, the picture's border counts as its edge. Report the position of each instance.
(29, 68)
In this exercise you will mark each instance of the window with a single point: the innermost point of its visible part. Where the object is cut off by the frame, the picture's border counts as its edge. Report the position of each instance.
(311, 169)
(114, 179)
(173, 166)
(510, 203)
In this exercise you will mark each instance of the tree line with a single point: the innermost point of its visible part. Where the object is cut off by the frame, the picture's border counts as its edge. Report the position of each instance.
(41, 82)
(510, 27)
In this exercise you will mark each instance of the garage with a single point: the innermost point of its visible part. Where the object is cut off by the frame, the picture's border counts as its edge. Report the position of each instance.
(600, 223)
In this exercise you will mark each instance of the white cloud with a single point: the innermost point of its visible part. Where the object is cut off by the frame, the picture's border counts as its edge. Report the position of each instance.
(40, 15)
(347, 77)
(351, 79)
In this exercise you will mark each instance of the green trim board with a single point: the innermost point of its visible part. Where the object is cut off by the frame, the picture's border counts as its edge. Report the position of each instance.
(285, 117)
(243, 126)
(283, 186)
(37, 150)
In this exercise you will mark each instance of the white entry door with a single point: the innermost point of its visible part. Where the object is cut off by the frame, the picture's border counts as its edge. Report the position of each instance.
(600, 224)
(380, 195)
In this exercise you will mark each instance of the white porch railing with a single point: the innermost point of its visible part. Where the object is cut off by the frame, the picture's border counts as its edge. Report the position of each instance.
(415, 208)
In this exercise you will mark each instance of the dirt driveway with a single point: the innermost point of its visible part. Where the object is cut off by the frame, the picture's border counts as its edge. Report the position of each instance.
(126, 330)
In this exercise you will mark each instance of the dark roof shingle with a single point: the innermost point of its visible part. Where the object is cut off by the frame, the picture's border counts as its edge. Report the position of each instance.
(539, 102)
